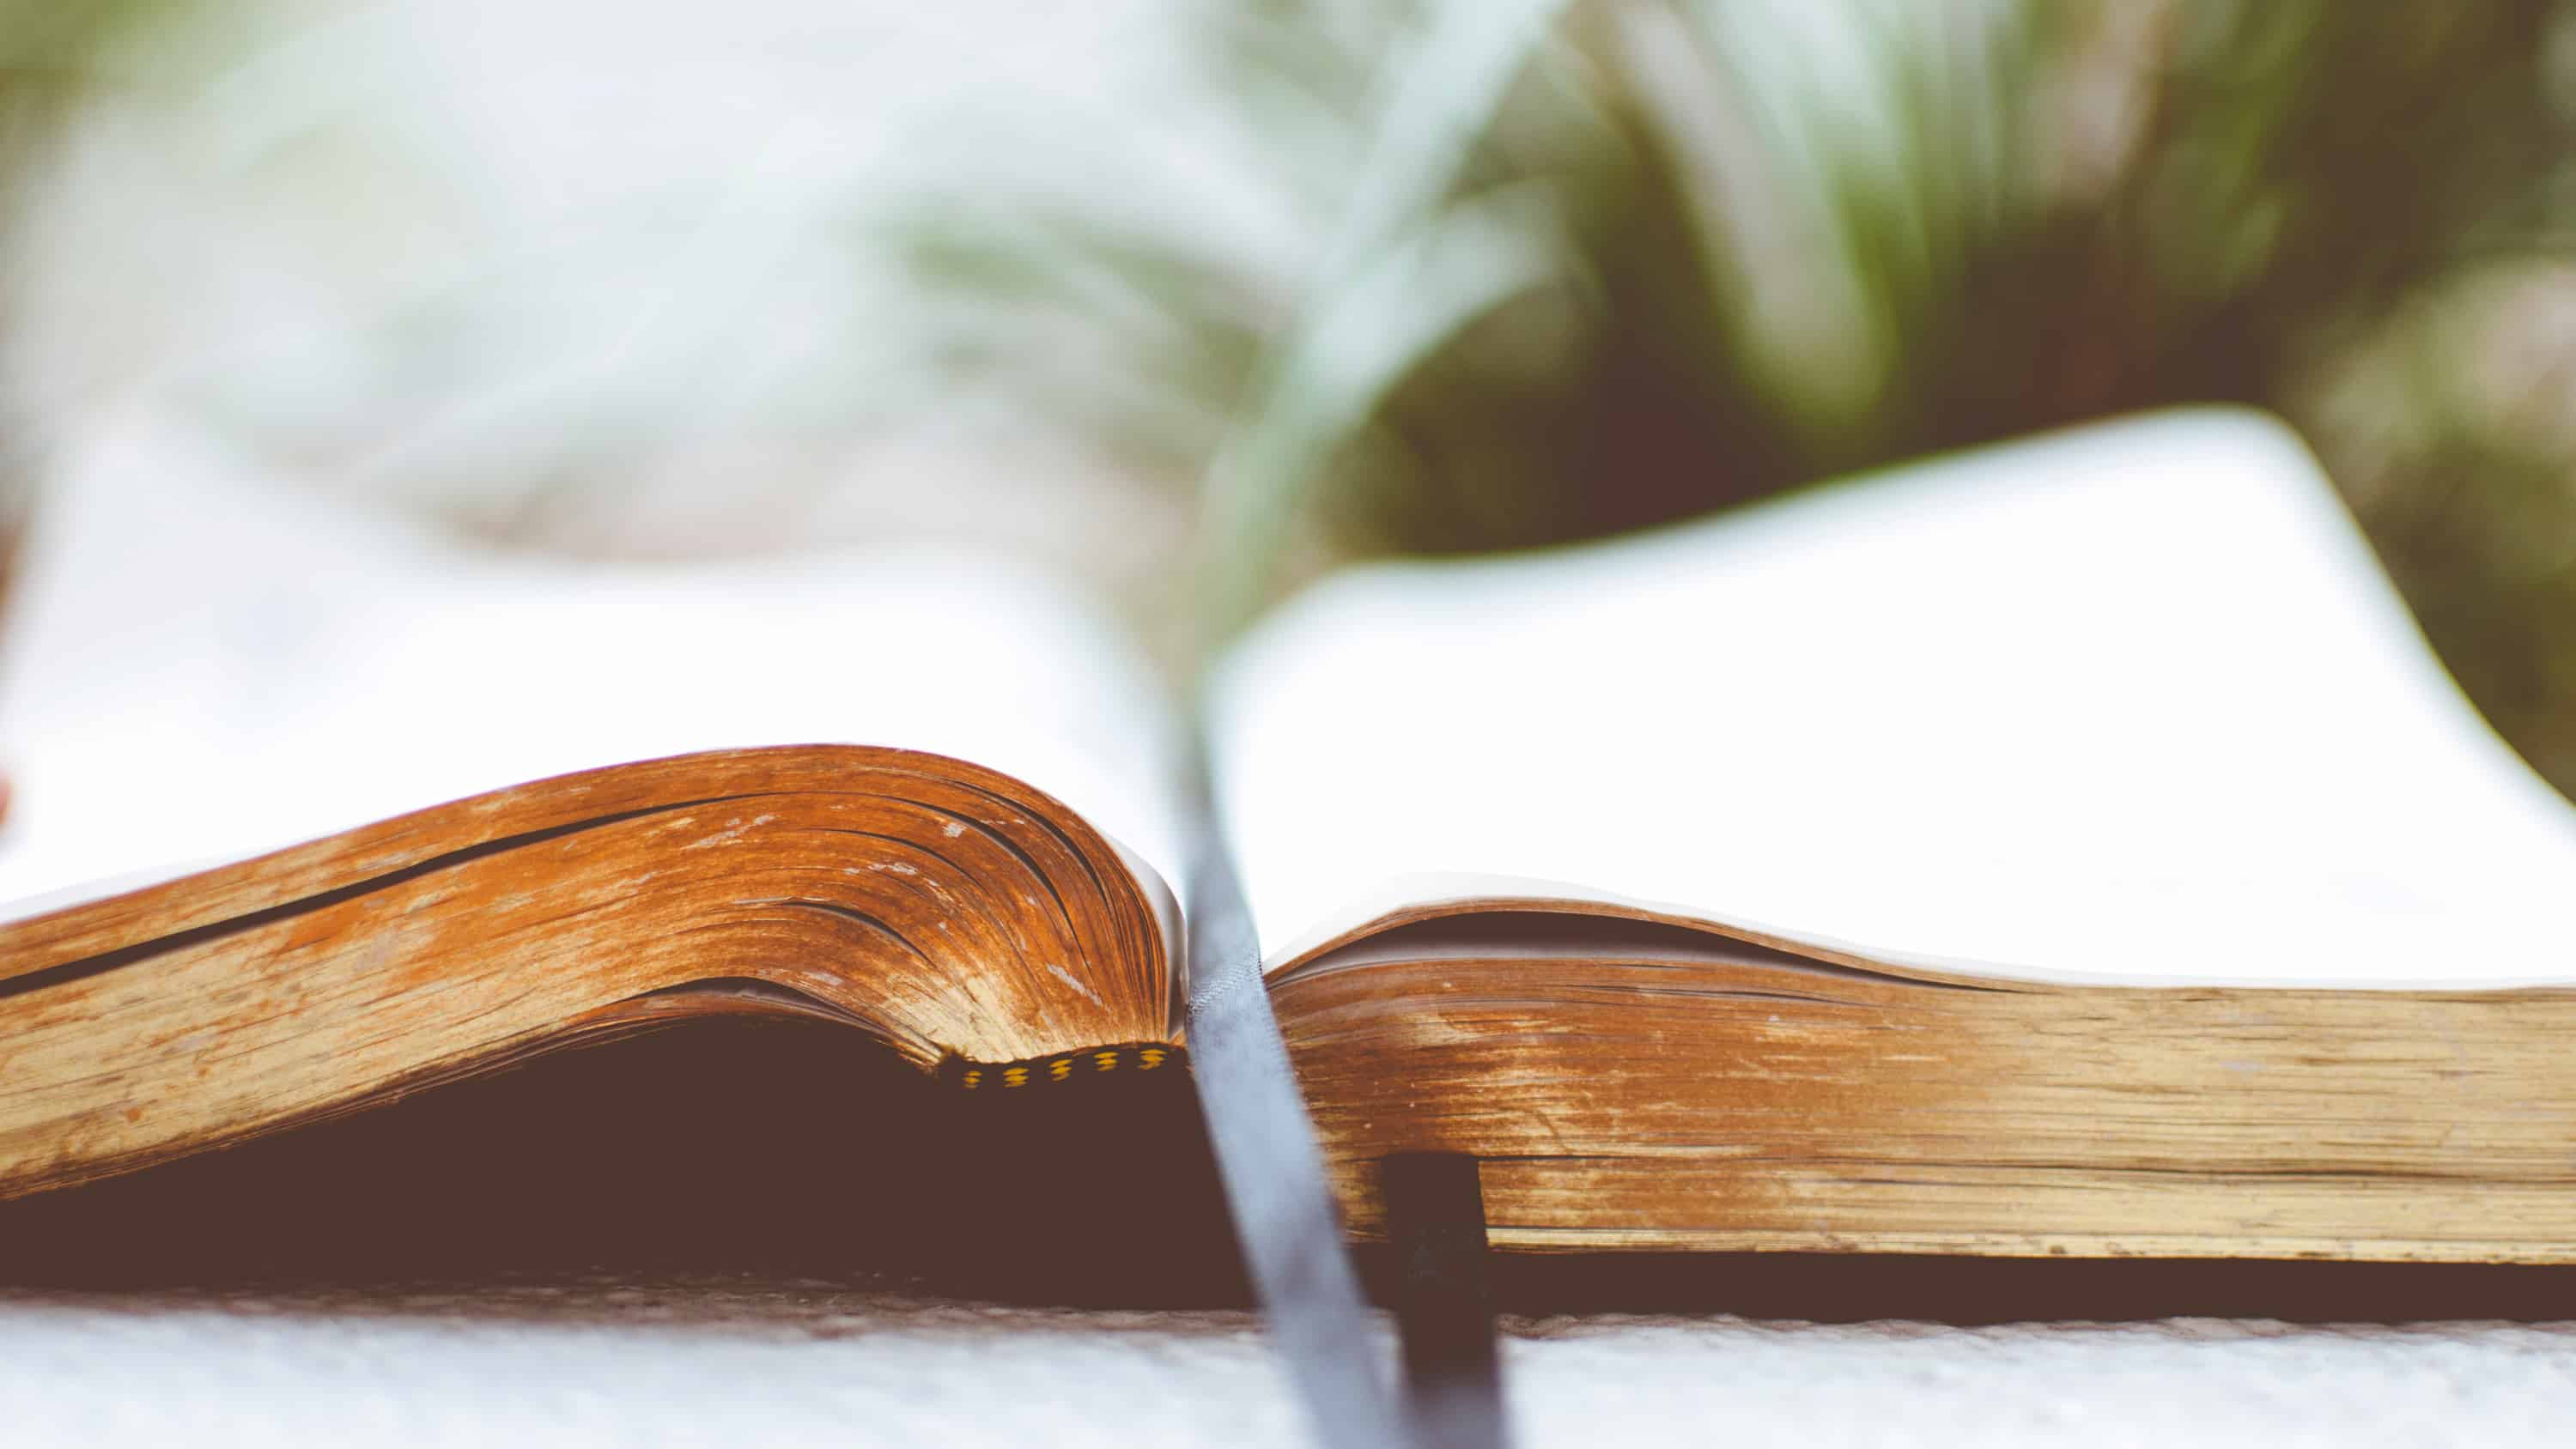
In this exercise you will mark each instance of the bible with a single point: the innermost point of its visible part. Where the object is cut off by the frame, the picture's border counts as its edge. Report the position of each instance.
(2066, 848)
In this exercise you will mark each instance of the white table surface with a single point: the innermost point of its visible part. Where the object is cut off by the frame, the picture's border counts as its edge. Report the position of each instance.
(807, 1362)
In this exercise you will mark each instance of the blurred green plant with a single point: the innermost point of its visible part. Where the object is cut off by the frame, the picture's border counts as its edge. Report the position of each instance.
(1597, 266)
(48, 54)
(49, 51)
(52, 52)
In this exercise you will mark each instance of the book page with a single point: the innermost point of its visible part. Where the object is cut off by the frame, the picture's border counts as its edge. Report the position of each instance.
(2132, 703)
(199, 665)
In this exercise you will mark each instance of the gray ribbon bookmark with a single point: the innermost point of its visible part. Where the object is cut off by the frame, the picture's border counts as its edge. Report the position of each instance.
(1266, 1154)
(1290, 1228)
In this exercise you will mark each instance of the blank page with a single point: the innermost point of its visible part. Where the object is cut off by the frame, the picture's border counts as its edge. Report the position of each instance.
(200, 665)
(2128, 703)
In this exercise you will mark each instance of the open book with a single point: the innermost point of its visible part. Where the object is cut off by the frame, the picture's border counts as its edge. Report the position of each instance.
(2065, 848)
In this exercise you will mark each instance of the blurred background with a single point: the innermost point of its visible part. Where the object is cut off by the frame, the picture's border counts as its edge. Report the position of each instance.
(1195, 298)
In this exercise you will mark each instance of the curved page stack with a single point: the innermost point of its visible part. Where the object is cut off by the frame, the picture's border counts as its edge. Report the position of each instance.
(2067, 848)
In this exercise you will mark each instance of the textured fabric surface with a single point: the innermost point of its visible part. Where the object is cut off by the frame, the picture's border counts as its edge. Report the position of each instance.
(809, 1362)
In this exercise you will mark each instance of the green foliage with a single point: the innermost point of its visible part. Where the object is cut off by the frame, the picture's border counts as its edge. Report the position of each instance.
(50, 51)
(1760, 241)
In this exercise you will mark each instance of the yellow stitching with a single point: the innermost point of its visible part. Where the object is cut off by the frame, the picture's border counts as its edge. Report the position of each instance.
(971, 1075)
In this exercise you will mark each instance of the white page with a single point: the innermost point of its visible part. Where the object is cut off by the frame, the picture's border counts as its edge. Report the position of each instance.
(199, 666)
(2129, 703)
